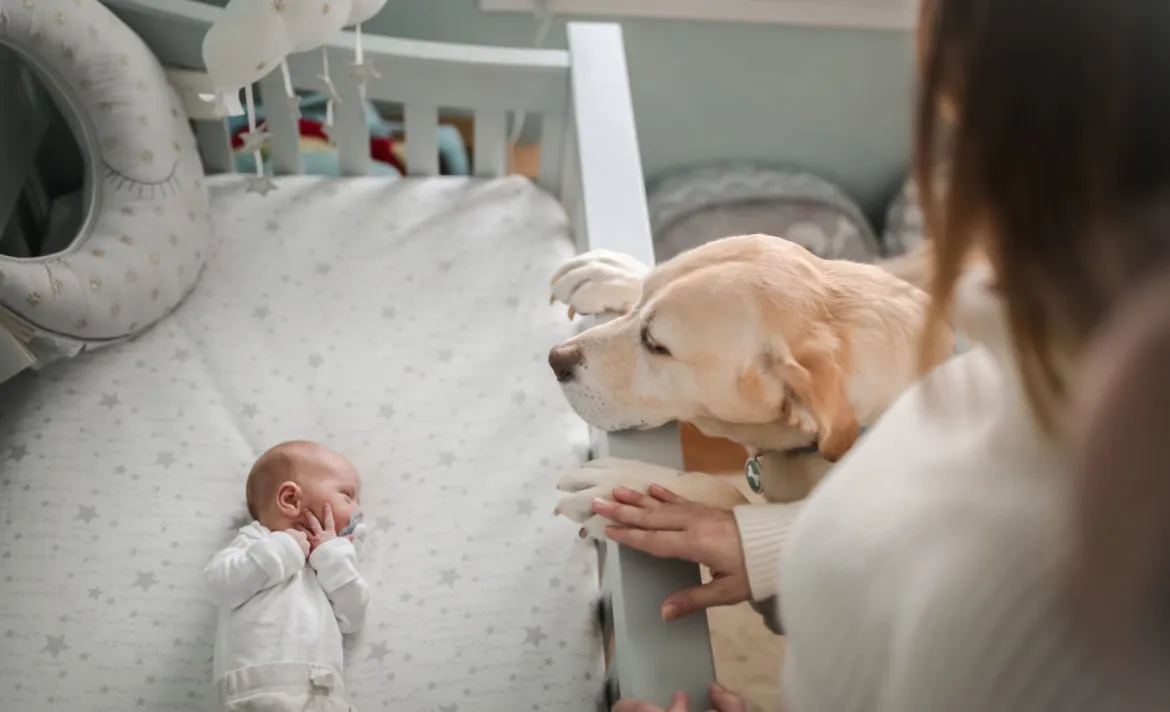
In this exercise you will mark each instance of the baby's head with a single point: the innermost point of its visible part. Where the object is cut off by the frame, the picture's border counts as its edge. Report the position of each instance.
(297, 477)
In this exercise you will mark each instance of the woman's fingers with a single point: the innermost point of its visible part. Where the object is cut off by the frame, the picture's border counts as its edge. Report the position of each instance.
(662, 494)
(725, 700)
(663, 518)
(663, 544)
(723, 591)
(625, 495)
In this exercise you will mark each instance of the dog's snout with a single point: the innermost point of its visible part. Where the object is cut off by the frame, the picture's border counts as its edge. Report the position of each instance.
(563, 359)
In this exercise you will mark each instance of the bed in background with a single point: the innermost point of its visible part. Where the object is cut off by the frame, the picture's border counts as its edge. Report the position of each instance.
(406, 323)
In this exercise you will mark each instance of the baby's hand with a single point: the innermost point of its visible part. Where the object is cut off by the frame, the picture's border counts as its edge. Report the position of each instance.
(318, 534)
(301, 538)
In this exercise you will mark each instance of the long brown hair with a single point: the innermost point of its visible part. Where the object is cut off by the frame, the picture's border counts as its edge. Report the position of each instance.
(1043, 126)
(1043, 144)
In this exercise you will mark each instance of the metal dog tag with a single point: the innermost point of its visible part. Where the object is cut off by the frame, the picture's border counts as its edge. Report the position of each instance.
(751, 469)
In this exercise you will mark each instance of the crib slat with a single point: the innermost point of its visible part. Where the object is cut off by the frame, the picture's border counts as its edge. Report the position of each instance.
(215, 146)
(351, 134)
(490, 144)
(284, 142)
(422, 140)
(552, 151)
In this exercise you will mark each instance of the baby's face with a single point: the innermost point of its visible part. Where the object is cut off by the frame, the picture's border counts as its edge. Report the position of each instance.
(331, 479)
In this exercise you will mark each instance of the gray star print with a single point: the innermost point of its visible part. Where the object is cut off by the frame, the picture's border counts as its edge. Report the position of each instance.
(260, 312)
(449, 577)
(388, 313)
(534, 636)
(386, 411)
(378, 651)
(525, 506)
(452, 708)
(445, 355)
(249, 410)
(95, 593)
(109, 400)
(180, 355)
(86, 514)
(54, 645)
(145, 580)
(518, 397)
(322, 268)
(166, 459)
(17, 453)
(447, 458)
(315, 360)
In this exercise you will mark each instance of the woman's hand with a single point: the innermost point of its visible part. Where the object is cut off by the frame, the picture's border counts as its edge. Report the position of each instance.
(722, 700)
(666, 525)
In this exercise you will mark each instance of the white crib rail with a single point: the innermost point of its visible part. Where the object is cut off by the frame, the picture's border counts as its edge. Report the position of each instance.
(589, 158)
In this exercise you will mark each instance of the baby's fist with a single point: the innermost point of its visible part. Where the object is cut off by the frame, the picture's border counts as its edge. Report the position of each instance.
(301, 538)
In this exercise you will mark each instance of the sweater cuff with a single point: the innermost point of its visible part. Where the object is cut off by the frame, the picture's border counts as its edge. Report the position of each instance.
(763, 533)
(278, 554)
(335, 562)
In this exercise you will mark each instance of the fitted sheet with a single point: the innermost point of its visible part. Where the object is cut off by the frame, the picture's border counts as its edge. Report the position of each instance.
(405, 324)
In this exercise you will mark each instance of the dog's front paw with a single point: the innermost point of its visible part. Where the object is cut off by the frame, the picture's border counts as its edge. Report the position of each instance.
(599, 282)
(597, 479)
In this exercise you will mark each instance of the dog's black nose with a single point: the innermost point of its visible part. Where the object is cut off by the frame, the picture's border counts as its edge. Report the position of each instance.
(563, 359)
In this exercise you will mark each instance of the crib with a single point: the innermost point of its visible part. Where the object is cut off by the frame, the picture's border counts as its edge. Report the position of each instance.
(589, 162)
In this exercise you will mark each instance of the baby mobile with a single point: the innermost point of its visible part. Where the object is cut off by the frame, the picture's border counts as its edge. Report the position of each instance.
(254, 37)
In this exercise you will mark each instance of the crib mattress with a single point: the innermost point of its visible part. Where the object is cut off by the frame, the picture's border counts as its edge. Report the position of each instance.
(405, 324)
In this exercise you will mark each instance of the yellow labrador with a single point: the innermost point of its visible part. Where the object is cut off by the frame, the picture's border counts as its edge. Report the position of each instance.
(751, 338)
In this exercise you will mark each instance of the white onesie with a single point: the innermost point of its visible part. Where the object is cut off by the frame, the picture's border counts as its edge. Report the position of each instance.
(278, 645)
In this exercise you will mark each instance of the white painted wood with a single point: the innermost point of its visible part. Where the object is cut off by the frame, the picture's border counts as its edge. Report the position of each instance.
(350, 131)
(284, 142)
(552, 151)
(422, 140)
(215, 148)
(864, 14)
(614, 192)
(491, 150)
(604, 194)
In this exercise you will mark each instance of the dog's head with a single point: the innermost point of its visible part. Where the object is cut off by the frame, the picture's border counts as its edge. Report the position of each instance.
(739, 331)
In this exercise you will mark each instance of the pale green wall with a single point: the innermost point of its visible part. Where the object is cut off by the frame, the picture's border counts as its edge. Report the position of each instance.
(836, 101)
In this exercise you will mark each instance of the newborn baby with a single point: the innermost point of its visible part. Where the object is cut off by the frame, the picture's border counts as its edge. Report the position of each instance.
(278, 646)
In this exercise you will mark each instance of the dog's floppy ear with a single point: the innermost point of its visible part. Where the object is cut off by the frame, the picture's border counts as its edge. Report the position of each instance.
(817, 378)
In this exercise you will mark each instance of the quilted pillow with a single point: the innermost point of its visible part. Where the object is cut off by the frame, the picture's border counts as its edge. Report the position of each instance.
(145, 228)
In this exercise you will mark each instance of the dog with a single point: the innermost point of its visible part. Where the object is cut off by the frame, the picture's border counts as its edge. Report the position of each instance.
(750, 338)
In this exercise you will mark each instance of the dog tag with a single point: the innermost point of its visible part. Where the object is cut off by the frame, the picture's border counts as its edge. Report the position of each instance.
(751, 469)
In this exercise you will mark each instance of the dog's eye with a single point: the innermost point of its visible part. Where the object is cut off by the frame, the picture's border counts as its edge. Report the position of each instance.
(653, 347)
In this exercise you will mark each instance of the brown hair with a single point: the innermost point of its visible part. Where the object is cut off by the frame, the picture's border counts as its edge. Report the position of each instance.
(1043, 126)
(1043, 143)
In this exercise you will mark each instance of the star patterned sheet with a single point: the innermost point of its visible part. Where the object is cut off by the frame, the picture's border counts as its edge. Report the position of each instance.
(405, 324)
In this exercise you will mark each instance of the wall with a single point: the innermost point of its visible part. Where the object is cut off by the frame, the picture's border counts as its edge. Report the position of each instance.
(835, 101)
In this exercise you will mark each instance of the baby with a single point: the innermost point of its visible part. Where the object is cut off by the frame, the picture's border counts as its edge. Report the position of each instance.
(278, 646)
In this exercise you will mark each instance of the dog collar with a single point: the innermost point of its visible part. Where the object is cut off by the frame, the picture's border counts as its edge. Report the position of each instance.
(753, 472)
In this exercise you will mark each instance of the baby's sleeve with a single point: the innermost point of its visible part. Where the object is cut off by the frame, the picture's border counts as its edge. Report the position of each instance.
(335, 562)
(246, 567)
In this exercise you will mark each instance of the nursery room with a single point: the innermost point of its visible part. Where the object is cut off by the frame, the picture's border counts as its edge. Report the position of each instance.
(500, 355)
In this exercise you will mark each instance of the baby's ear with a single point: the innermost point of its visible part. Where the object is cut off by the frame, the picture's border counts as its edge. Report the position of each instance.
(288, 499)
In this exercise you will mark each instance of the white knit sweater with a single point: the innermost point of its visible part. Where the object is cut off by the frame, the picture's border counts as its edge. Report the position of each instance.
(925, 574)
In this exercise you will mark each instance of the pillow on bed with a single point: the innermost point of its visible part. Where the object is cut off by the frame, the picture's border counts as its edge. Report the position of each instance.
(143, 224)
(703, 203)
(904, 223)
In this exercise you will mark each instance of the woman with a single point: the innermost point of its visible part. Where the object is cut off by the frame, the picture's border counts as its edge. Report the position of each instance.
(1000, 541)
